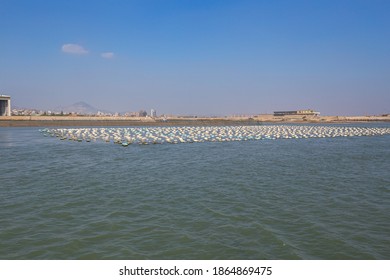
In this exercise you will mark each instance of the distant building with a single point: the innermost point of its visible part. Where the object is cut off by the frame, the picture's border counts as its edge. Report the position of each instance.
(5, 105)
(153, 113)
(131, 114)
(308, 112)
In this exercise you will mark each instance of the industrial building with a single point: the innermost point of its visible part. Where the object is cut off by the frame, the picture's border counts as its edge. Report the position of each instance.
(308, 112)
(5, 105)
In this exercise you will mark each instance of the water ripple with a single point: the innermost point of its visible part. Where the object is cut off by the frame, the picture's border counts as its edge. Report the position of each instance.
(317, 198)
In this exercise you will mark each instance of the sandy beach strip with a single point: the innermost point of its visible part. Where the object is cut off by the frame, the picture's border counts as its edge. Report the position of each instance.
(59, 121)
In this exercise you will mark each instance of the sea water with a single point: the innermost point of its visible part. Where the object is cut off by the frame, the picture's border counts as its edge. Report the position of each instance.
(316, 198)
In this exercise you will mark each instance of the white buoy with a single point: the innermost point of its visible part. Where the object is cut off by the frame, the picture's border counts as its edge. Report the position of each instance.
(175, 135)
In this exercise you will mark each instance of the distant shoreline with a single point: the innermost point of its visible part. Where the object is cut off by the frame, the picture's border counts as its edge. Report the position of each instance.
(43, 121)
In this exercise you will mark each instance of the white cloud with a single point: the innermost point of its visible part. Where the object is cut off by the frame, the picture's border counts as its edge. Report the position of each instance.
(107, 55)
(73, 49)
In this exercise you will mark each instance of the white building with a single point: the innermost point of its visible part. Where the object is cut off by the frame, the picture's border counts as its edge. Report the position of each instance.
(5, 105)
(153, 113)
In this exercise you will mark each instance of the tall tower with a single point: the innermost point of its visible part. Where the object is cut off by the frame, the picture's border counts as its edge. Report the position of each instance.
(5, 105)
(153, 113)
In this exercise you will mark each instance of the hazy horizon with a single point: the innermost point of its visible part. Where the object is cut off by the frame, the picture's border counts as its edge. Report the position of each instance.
(65, 109)
(198, 57)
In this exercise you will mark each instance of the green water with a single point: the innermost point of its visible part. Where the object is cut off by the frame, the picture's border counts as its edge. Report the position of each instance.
(323, 198)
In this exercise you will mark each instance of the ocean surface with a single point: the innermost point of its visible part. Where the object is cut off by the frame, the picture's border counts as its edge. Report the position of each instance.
(316, 198)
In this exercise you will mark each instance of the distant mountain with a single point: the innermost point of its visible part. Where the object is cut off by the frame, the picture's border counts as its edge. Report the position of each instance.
(81, 108)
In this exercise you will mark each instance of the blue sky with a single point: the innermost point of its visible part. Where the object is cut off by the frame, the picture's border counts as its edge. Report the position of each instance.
(214, 57)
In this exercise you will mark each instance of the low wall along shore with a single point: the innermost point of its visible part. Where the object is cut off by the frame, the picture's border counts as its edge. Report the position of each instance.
(44, 121)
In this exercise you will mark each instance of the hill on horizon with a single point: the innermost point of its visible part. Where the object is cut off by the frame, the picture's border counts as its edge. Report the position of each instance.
(81, 108)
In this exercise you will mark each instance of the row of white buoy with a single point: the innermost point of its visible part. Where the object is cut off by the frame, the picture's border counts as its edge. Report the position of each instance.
(187, 134)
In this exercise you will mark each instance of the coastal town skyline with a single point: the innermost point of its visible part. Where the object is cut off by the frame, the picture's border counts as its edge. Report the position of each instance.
(84, 109)
(198, 57)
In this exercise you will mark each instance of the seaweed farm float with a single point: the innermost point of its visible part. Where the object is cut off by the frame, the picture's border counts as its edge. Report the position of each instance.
(175, 135)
